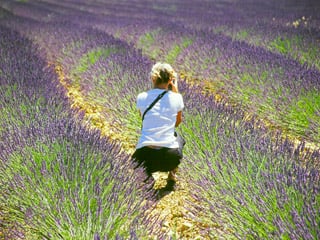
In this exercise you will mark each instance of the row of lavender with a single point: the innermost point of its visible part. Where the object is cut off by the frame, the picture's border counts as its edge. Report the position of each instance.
(245, 179)
(274, 75)
(252, 185)
(59, 180)
(286, 27)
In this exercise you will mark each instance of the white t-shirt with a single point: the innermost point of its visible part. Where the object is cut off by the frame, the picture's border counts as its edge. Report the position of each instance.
(159, 122)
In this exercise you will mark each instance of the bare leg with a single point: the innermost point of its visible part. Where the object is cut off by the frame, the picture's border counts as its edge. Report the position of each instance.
(171, 181)
(172, 174)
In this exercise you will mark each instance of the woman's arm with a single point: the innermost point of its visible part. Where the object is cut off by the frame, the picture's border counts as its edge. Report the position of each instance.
(179, 119)
(173, 86)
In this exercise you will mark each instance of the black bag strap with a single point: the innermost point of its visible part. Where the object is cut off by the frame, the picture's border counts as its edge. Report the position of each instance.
(153, 103)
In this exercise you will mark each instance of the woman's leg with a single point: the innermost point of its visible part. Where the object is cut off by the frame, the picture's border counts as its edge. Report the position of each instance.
(171, 180)
(140, 158)
(173, 157)
(172, 174)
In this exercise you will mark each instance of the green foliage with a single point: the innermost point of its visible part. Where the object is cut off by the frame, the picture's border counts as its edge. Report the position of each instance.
(298, 48)
(66, 191)
(146, 43)
(242, 35)
(248, 91)
(168, 7)
(302, 112)
(92, 57)
(177, 49)
(68, 50)
(282, 45)
(294, 46)
(311, 56)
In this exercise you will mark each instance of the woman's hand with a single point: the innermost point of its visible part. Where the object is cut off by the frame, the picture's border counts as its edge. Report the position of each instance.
(173, 85)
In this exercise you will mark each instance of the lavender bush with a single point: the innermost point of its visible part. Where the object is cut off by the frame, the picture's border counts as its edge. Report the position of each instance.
(59, 179)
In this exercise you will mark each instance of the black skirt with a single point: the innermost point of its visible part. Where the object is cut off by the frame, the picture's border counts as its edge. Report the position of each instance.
(153, 160)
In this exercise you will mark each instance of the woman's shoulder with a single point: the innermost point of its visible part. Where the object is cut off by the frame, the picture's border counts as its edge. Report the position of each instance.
(150, 92)
(142, 95)
(175, 94)
(175, 97)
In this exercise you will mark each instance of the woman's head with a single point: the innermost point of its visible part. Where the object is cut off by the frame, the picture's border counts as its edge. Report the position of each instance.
(162, 73)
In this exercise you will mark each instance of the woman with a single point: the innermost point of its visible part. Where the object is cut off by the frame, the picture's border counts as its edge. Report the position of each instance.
(158, 148)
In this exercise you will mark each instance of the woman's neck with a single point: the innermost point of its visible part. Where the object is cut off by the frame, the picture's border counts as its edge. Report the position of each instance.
(161, 86)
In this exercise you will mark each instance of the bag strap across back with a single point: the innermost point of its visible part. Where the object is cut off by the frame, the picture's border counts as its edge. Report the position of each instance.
(153, 103)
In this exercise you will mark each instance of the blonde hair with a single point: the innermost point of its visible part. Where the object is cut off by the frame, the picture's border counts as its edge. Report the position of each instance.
(162, 67)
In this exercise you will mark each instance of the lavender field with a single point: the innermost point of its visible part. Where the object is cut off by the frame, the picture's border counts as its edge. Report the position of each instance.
(249, 73)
